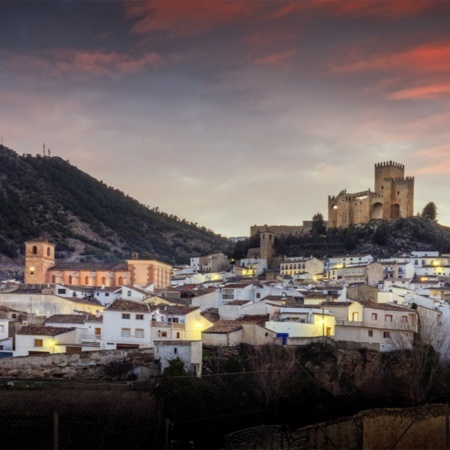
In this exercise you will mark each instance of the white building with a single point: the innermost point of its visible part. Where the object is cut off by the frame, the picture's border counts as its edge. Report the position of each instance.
(127, 324)
(190, 352)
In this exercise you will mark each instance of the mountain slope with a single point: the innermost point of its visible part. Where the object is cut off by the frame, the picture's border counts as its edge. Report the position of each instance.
(48, 197)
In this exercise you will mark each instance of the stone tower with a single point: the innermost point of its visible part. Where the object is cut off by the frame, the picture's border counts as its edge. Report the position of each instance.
(396, 190)
(39, 257)
(267, 240)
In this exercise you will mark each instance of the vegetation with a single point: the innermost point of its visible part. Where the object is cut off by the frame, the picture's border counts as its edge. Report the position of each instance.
(430, 211)
(48, 197)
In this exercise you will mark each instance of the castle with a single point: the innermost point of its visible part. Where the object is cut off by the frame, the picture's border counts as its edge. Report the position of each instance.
(41, 268)
(393, 198)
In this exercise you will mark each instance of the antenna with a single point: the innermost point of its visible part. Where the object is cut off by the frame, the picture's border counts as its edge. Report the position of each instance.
(43, 148)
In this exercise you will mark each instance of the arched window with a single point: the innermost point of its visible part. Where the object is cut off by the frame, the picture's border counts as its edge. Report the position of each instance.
(53, 279)
(34, 250)
(70, 279)
(120, 281)
(103, 281)
(86, 280)
(49, 252)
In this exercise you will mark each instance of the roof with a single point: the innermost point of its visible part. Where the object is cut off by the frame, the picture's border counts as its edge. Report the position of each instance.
(341, 304)
(128, 305)
(174, 310)
(253, 318)
(66, 318)
(237, 302)
(33, 330)
(224, 326)
(95, 319)
(384, 306)
(237, 285)
(93, 267)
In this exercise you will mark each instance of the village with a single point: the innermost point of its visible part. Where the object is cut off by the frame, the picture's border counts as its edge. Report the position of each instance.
(353, 301)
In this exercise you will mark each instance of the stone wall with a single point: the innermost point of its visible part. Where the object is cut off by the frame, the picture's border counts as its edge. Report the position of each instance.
(381, 428)
(80, 366)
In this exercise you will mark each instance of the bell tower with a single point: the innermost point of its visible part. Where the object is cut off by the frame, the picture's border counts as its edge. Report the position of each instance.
(39, 257)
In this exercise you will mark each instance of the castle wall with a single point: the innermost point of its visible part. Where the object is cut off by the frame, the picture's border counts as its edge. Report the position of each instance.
(393, 198)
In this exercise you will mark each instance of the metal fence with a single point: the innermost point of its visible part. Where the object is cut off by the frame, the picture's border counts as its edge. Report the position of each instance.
(178, 411)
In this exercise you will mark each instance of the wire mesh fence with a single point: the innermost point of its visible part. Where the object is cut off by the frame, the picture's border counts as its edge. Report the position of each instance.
(181, 412)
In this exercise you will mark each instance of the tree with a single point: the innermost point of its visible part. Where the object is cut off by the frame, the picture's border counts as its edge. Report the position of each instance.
(318, 224)
(430, 211)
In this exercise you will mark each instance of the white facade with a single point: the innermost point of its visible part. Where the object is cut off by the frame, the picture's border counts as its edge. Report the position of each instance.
(190, 352)
(45, 340)
(127, 324)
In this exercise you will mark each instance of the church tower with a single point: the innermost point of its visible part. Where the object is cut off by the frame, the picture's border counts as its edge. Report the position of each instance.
(39, 257)
(267, 240)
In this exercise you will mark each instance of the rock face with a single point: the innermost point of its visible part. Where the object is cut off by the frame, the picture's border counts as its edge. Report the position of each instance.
(103, 364)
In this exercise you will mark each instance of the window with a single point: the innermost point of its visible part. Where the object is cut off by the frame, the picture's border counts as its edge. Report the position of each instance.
(125, 316)
(175, 350)
(61, 291)
(388, 318)
(370, 333)
(2, 327)
(178, 335)
(70, 279)
(386, 334)
(34, 250)
(129, 293)
(355, 317)
(139, 333)
(175, 320)
(98, 331)
(48, 251)
(139, 316)
(31, 270)
(404, 319)
(86, 280)
(38, 343)
(106, 294)
(14, 316)
(374, 316)
(163, 333)
(126, 332)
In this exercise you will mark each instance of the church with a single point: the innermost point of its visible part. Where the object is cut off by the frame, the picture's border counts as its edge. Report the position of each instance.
(41, 268)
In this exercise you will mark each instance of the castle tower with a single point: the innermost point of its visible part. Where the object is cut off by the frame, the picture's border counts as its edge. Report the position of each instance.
(267, 240)
(39, 257)
(387, 171)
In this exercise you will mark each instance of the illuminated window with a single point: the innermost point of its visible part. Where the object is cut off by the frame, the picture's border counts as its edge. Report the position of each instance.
(31, 270)
(126, 332)
(38, 343)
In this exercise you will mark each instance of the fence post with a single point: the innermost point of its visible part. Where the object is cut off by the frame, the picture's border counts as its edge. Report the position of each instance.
(55, 431)
(446, 427)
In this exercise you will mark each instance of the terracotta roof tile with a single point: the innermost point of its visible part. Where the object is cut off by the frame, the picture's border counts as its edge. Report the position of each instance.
(33, 330)
(128, 305)
(66, 318)
(224, 326)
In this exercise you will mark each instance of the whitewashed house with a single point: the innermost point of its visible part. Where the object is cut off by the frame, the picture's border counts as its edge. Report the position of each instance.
(127, 324)
(6, 342)
(173, 323)
(190, 352)
(38, 340)
(383, 327)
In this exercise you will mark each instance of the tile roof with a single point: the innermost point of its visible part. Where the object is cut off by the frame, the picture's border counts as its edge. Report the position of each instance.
(66, 318)
(384, 306)
(174, 310)
(33, 330)
(95, 319)
(341, 304)
(77, 266)
(224, 326)
(253, 319)
(128, 305)
(237, 302)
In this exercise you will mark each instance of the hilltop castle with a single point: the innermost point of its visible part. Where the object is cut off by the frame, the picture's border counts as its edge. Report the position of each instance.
(393, 198)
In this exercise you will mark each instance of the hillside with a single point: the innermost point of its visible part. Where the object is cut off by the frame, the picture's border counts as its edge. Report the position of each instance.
(50, 198)
(379, 238)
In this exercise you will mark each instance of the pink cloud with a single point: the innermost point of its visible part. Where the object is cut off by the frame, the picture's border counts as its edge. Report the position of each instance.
(83, 63)
(421, 92)
(281, 58)
(186, 17)
(424, 58)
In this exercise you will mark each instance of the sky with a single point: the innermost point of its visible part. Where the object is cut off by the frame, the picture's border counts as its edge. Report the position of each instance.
(232, 113)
